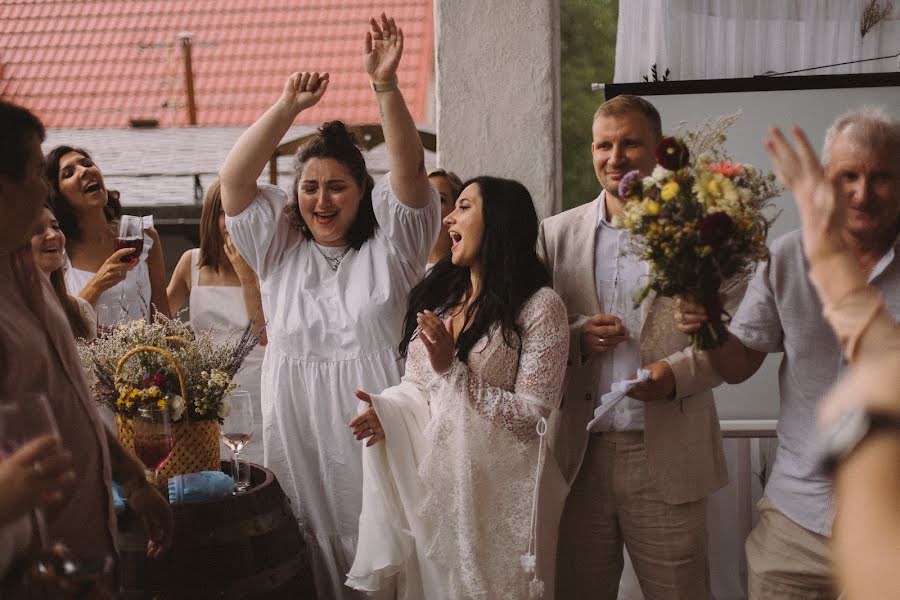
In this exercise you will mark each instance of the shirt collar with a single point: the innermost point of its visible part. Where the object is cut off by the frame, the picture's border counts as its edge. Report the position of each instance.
(601, 217)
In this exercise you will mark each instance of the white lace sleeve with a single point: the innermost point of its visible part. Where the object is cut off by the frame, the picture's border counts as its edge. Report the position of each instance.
(539, 379)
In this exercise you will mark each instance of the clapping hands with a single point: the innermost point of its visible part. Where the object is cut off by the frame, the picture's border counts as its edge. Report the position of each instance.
(383, 48)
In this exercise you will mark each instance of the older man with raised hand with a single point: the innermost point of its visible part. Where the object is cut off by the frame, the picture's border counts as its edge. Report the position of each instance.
(642, 475)
(788, 553)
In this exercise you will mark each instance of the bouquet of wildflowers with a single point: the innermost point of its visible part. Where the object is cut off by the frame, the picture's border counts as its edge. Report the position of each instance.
(698, 220)
(149, 378)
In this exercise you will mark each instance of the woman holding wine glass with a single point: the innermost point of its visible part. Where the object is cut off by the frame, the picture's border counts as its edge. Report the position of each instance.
(113, 262)
(38, 356)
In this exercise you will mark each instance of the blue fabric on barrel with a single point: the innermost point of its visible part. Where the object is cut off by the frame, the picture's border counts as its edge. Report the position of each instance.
(199, 487)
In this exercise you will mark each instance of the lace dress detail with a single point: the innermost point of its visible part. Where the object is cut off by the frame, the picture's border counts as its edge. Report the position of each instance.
(479, 469)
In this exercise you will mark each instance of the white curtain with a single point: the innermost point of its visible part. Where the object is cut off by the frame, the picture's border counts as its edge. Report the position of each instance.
(713, 39)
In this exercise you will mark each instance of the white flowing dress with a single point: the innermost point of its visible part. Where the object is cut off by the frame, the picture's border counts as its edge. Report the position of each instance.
(222, 310)
(449, 495)
(330, 333)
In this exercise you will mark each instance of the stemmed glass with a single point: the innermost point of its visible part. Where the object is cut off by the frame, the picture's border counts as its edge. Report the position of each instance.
(153, 439)
(237, 429)
(21, 422)
(131, 235)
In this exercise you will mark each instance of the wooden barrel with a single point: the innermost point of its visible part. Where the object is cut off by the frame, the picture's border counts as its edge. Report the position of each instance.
(245, 546)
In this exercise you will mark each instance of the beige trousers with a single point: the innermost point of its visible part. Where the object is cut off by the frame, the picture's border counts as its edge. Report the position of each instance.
(614, 502)
(786, 561)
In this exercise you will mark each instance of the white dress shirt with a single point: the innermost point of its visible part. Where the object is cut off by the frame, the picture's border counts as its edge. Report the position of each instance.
(618, 277)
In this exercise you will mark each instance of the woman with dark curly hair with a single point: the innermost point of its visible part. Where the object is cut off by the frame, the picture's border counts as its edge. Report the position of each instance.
(119, 286)
(336, 260)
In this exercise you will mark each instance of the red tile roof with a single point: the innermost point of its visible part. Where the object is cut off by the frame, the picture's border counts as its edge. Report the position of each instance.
(99, 63)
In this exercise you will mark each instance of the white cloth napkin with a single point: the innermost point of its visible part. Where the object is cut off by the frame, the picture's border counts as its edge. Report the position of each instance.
(610, 399)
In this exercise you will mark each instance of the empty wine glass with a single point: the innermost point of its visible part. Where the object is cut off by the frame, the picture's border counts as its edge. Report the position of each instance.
(153, 439)
(237, 429)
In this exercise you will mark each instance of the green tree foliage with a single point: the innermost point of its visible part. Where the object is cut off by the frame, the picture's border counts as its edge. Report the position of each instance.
(587, 54)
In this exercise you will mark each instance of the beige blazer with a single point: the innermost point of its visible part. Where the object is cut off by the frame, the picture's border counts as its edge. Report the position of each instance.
(682, 437)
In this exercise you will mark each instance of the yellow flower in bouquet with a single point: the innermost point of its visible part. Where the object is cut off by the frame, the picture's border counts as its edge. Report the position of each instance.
(698, 221)
(149, 379)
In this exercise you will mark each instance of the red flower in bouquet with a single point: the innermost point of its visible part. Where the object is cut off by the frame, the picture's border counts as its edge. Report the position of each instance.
(728, 169)
(698, 220)
(715, 228)
(672, 153)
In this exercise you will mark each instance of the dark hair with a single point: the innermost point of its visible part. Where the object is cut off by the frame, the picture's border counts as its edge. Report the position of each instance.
(61, 207)
(334, 140)
(510, 270)
(211, 241)
(16, 125)
(624, 104)
(70, 306)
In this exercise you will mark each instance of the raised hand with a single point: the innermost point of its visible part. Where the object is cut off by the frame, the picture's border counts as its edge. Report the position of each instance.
(602, 333)
(383, 48)
(303, 90)
(438, 339)
(367, 424)
(820, 202)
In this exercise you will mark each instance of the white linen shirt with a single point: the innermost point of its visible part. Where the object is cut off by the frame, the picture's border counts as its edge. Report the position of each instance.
(618, 277)
(781, 312)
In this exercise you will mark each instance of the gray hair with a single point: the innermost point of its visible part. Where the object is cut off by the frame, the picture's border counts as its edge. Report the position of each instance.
(870, 126)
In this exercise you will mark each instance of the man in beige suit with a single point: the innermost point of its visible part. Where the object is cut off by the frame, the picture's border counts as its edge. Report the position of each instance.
(641, 477)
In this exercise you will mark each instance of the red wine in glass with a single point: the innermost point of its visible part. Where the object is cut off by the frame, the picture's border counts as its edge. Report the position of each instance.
(130, 242)
(154, 450)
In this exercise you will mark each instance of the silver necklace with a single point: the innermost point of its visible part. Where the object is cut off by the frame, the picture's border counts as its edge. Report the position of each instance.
(333, 260)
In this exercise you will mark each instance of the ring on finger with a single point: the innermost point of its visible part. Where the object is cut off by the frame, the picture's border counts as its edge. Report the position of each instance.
(37, 467)
(601, 340)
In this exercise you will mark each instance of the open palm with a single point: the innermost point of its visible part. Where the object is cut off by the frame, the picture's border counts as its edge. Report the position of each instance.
(383, 48)
(821, 203)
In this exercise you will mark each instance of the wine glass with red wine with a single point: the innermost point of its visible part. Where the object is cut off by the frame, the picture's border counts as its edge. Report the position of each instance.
(236, 432)
(131, 235)
(153, 439)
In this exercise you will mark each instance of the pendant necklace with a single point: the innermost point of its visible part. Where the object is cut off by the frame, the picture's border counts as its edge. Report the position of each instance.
(333, 260)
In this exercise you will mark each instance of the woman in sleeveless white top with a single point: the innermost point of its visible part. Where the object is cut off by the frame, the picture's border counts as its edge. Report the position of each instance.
(127, 300)
(221, 309)
(335, 272)
(87, 213)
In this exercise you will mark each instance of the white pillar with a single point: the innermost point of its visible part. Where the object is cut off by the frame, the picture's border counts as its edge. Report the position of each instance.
(497, 93)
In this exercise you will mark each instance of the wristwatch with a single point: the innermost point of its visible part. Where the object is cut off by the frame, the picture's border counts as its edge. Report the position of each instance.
(843, 435)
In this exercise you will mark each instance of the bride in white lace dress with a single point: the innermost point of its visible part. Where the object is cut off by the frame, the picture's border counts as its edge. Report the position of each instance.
(461, 498)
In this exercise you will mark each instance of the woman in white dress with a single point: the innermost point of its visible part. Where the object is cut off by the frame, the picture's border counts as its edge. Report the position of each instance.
(116, 284)
(223, 294)
(48, 247)
(451, 502)
(335, 263)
